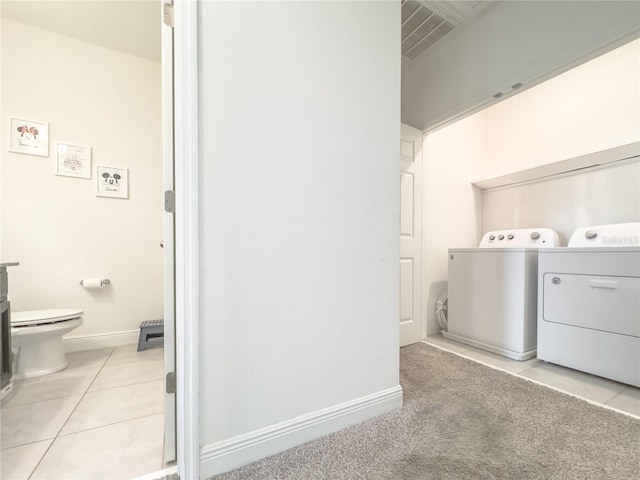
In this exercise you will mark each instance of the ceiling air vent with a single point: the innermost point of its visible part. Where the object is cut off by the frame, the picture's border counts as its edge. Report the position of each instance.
(421, 28)
(424, 22)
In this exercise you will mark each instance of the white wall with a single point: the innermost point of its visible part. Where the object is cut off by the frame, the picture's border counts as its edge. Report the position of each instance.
(55, 226)
(300, 119)
(593, 107)
(590, 108)
(596, 196)
(451, 205)
(511, 42)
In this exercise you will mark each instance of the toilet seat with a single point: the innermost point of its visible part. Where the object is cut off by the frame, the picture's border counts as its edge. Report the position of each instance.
(34, 318)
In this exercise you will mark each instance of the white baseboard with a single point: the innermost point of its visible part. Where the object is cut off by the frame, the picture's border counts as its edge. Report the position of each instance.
(80, 343)
(219, 457)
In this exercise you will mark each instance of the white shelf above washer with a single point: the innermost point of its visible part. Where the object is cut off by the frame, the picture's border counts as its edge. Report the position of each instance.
(570, 165)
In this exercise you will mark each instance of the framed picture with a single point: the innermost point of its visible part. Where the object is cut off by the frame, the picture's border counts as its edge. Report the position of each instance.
(29, 137)
(73, 160)
(112, 182)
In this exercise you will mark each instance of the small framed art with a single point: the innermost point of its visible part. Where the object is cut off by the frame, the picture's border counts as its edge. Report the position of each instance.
(73, 160)
(112, 182)
(30, 137)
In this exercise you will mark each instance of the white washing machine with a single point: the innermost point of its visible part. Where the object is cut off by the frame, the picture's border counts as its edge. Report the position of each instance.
(589, 303)
(493, 291)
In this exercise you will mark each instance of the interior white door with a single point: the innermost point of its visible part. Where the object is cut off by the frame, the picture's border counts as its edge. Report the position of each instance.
(410, 234)
(168, 241)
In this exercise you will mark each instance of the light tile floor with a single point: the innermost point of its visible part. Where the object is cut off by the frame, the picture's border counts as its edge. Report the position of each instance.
(596, 389)
(100, 418)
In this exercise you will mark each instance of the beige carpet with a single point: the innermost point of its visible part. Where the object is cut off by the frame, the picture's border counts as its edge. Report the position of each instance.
(464, 420)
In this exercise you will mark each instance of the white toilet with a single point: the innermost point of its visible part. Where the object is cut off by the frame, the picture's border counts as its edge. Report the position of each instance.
(36, 340)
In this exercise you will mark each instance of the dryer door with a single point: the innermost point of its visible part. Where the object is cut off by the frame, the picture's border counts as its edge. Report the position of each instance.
(609, 304)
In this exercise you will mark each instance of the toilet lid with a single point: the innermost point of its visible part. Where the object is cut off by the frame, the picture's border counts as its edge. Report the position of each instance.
(38, 317)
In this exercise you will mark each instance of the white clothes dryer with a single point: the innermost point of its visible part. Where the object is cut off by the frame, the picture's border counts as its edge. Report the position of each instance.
(589, 303)
(493, 291)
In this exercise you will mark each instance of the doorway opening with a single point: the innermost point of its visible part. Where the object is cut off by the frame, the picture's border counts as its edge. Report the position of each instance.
(105, 101)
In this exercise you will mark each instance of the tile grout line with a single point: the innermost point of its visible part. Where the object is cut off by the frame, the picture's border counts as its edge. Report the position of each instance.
(126, 385)
(71, 413)
(26, 444)
(617, 395)
(122, 363)
(110, 424)
(620, 393)
(614, 396)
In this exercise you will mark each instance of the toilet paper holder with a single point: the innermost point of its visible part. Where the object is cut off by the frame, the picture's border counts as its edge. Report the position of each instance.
(103, 281)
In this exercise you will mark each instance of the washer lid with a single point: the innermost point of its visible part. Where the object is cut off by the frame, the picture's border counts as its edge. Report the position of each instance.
(35, 317)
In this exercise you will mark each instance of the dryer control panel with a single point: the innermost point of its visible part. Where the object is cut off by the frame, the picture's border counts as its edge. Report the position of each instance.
(615, 235)
(522, 237)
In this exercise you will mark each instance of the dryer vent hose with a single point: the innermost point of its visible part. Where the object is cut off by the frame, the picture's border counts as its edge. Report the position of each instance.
(441, 309)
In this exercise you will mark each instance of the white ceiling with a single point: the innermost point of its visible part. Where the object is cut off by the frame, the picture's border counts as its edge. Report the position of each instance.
(131, 26)
(134, 26)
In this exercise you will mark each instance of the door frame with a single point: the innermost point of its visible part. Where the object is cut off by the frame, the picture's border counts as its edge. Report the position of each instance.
(416, 138)
(185, 63)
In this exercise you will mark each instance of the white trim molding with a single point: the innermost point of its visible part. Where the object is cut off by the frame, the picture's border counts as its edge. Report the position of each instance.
(186, 236)
(568, 166)
(79, 343)
(226, 455)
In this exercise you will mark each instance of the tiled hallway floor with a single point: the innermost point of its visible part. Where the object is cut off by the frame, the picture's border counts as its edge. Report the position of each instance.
(596, 389)
(100, 418)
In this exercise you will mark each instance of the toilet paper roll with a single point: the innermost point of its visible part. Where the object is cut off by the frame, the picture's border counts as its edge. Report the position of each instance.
(92, 283)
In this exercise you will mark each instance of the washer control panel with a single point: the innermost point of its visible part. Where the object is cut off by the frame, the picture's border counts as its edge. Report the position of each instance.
(522, 237)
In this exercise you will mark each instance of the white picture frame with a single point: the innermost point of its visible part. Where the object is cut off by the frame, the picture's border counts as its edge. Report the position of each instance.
(112, 182)
(29, 137)
(73, 160)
